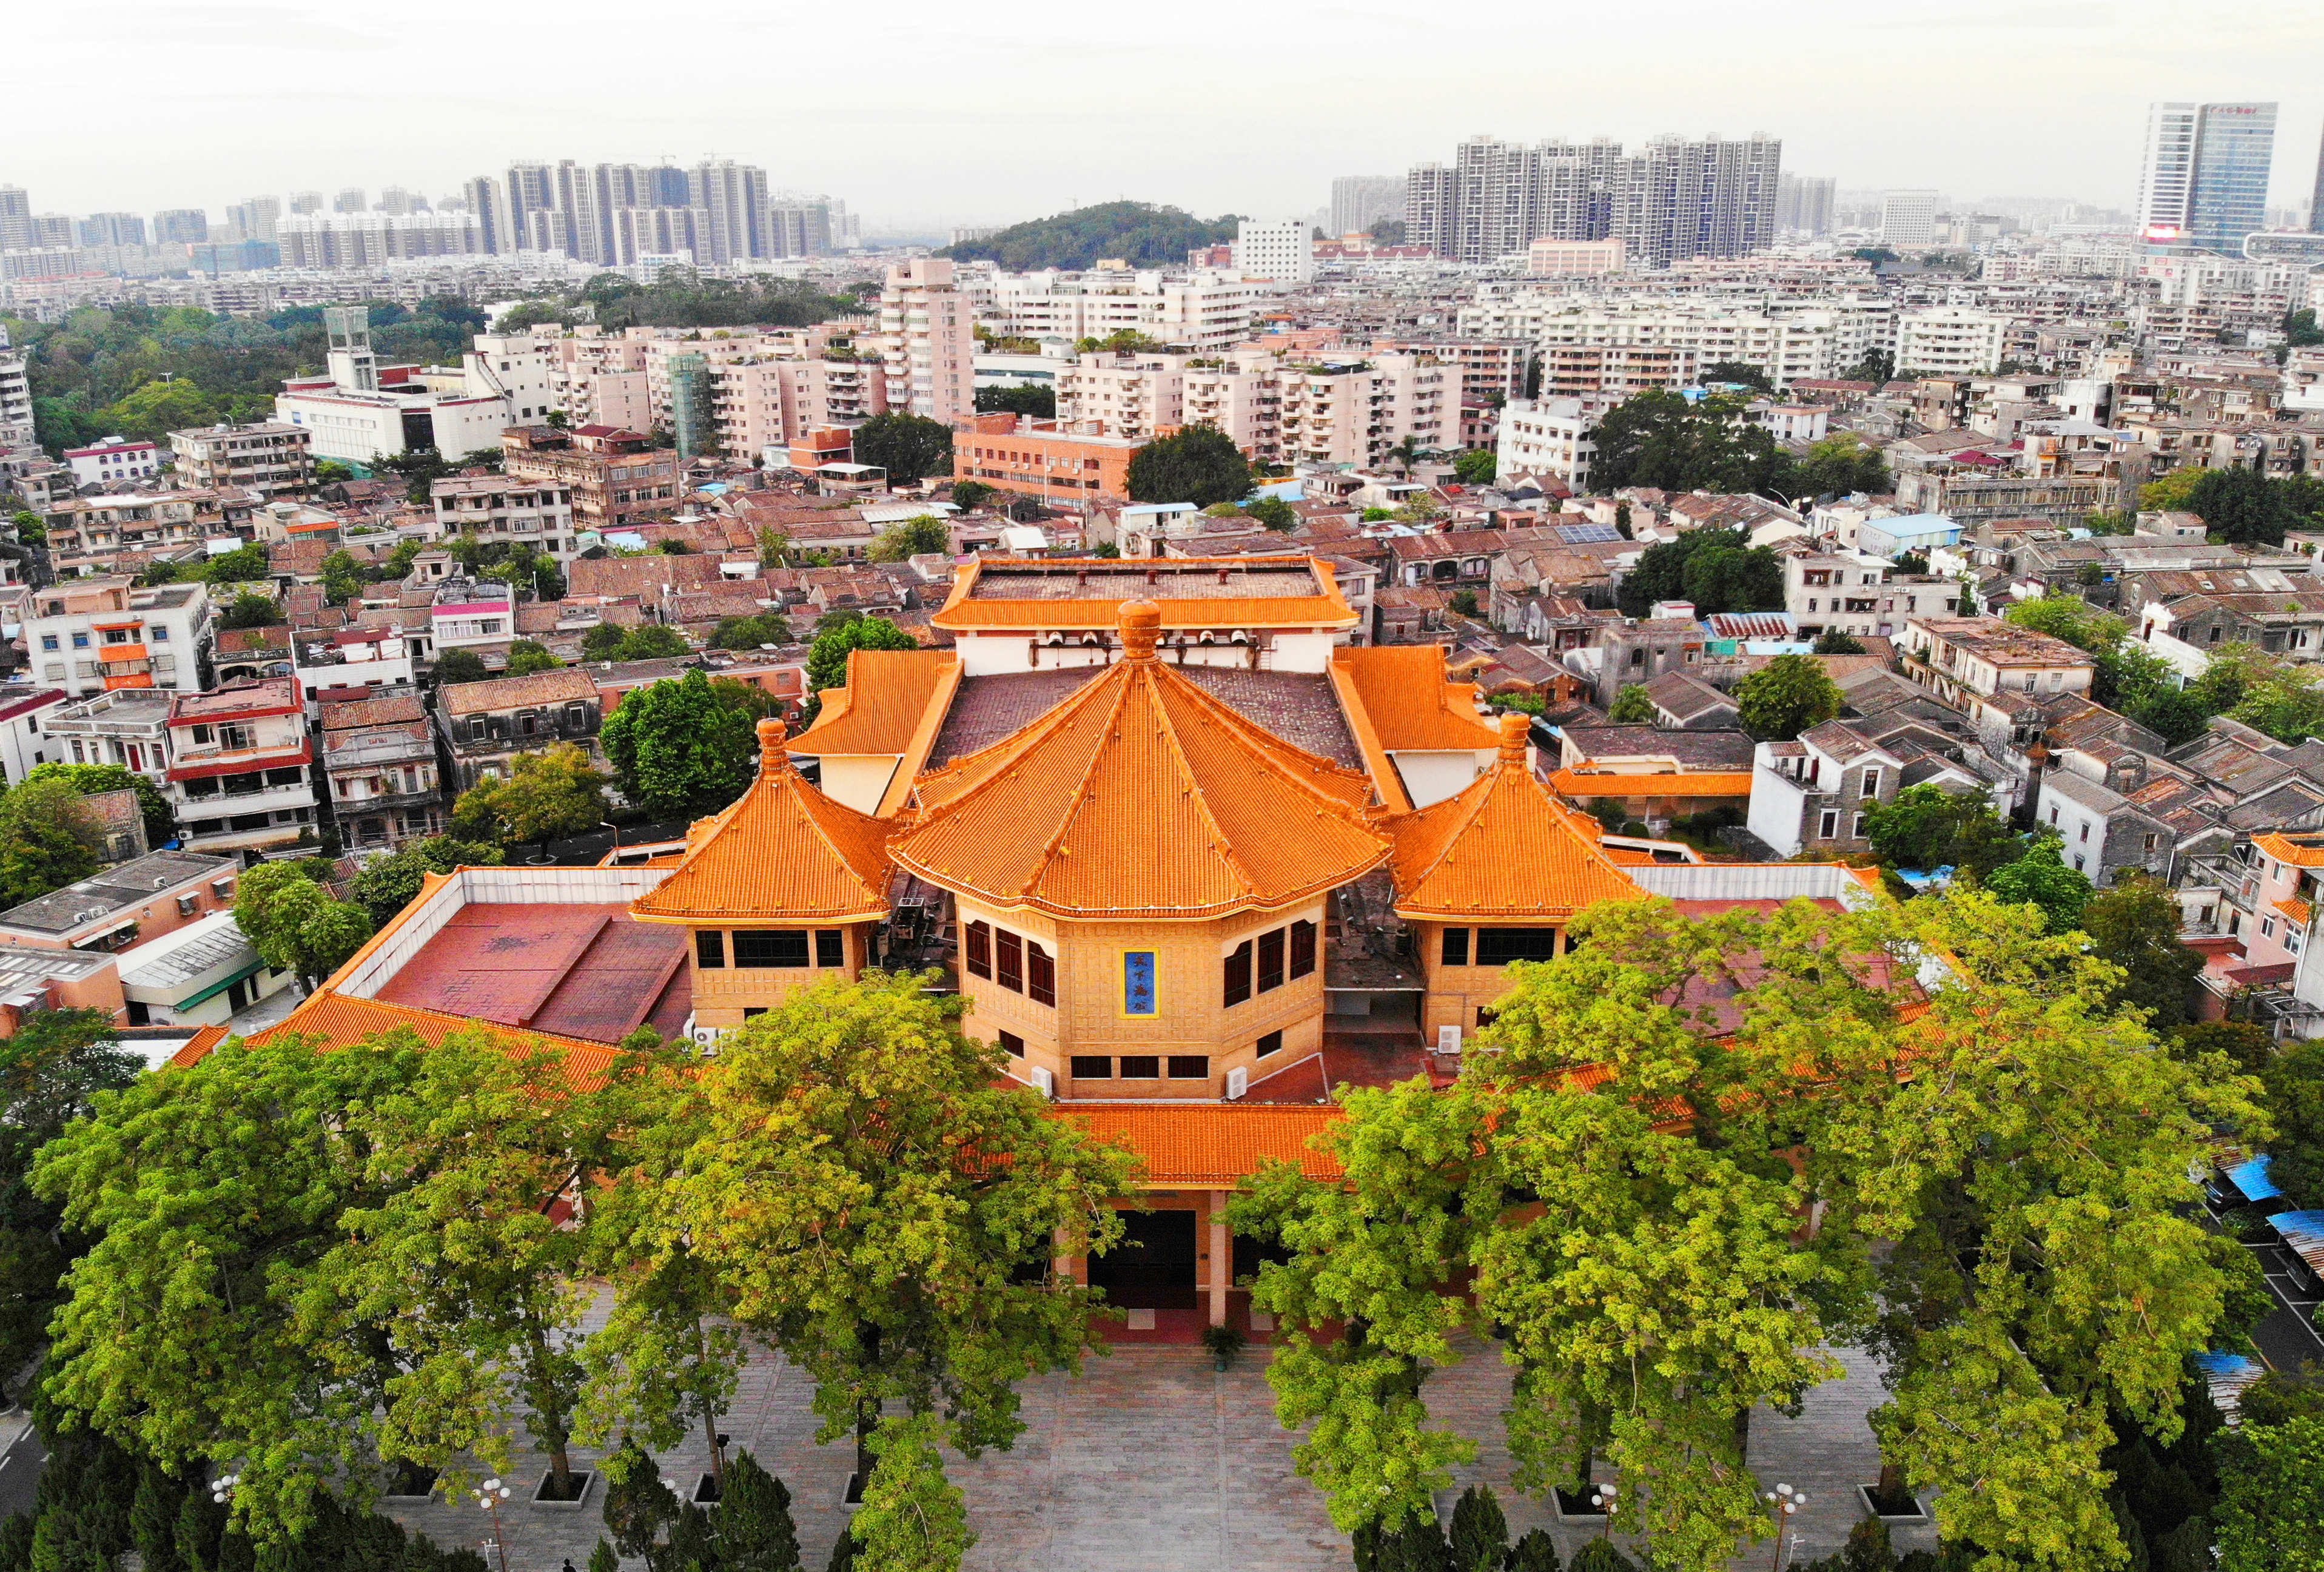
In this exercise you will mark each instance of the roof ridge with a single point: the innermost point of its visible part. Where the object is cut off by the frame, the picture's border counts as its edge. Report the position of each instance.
(1079, 795)
(1220, 840)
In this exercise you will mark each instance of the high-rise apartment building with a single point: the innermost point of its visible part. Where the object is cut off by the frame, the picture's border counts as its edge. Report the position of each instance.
(253, 218)
(15, 397)
(1909, 217)
(2202, 182)
(2316, 202)
(113, 229)
(735, 194)
(180, 226)
(1803, 204)
(1673, 198)
(1360, 201)
(15, 218)
(929, 330)
(350, 200)
(306, 201)
(1282, 250)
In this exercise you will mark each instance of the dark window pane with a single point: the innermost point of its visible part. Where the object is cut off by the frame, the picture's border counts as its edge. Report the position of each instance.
(1040, 975)
(1270, 959)
(1272, 1043)
(1142, 1067)
(1456, 947)
(1238, 974)
(1011, 961)
(710, 947)
(980, 950)
(771, 947)
(1012, 1045)
(1498, 947)
(1303, 948)
(830, 946)
(1190, 1066)
(1089, 1066)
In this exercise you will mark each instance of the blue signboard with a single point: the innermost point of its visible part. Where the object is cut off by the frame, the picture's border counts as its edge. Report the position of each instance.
(1137, 983)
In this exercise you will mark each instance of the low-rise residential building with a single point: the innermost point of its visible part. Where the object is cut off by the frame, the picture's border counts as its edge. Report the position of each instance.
(1836, 592)
(269, 457)
(134, 903)
(1548, 437)
(1041, 458)
(1997, 673)
(129, 726)
(90, 636)
(609, 478)
(1817, 792)
(22, 748)
(493, 507)
(476, 614)
(486, 725)
(115, 462)
(380, 772)
(201, 975)
(238, 772)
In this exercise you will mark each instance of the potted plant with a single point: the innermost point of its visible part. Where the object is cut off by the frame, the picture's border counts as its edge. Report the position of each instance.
(1224, 1343)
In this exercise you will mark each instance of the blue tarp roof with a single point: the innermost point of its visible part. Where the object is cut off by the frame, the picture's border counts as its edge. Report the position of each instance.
(2304, 1231)
(2250, 1178)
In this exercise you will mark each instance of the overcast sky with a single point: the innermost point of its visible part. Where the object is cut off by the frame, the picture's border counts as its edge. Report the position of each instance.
(921, 115)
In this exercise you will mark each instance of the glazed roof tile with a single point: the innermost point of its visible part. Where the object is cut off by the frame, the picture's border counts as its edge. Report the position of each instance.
(2285, 849)
(782, 849)
(1693, 783)
(1210, 1145)
(883, 705)
(1192, 593)
(341, 1021)
(1502, 847)
(1141, 794)
(1402, 691)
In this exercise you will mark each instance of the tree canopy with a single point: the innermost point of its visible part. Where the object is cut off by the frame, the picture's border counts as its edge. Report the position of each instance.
(1664, 439)
(1926, 828)
(909, 448)
(1715, 570)
(387, 884)
(682, 298)
(1141, 234)
(911, 537)
(1785, 697)
(554, 792)
(1199, 465)
(686, 746)
(294, 923)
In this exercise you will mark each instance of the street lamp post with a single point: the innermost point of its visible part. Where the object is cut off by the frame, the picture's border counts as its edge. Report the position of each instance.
(222, 1488)
(1783, 1501)
(489, 1495)
(1605, 1497)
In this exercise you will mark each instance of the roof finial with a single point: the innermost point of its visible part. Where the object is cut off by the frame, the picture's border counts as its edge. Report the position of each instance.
(772, 756)
(1141, 624)
(1516, 727)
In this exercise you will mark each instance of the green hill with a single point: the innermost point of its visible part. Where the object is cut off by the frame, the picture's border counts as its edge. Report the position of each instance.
(1139, 233)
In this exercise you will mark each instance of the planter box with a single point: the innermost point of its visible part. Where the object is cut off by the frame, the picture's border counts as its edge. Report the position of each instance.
(588, 1478)
(427, 1492)
(706, 1490)
(1920, 1515)
(1576, 1509)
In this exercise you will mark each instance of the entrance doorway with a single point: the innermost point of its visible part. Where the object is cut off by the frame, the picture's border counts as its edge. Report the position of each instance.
(1153, 1265)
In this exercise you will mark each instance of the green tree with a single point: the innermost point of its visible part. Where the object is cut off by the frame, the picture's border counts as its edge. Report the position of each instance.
(1716, 569)
(1033, 404)
(603, 642)
(1199, 465)
(2170, 493)
(687, 745)
(251, 609)
(912, 1518)
(2067, 617)
(1925, 826)
(48, 839)
(1274, 513)
(453, 666)
(1663, 439)
(343, 576)
(90, 780)
(390, 884)
(638, 1505)
(294, 923)
(1785, 697)
(1477, 467)
(2135, 926)
(911, 537)
(755, 1532)
(839, 635)
(1463, 603)
(2042, 877)
(653, 642)
(2271, 1514)
(1835, 643)
(1481, 1531)
(527, 656)
(972, 493)
(555, 792)
(749, 632)
(882, 1203)
(1143, 233)
(1839, 464)
(2245, 507)
(239, 566)
(2293, 1096)
(909, 448)
(195, 1334)
(1633, 706)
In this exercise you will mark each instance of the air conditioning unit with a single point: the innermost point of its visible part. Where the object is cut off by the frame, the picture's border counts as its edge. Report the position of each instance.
(1448, 1039)
(1043, 1081)
(1237, 1082)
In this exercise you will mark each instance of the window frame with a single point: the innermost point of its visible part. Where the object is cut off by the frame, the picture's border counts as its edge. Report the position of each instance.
(1235, 976)
(1542, 939)
(1452, 952)
(830, 947)
(1009, 959)
(774, 944)
(1128, 1065)
(1303, 948)
(710, 949)
(976, 949)
(1040, 975)
(1268, 974)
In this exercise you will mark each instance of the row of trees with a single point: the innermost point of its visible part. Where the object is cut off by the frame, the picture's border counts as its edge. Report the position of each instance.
(2241, 506)
(1141, 234)
(49, 837)
(2013, 1234)
(1666, 439)
(388, 1263)
(682, 298)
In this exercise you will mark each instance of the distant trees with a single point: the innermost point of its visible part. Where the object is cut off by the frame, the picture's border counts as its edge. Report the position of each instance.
(1478, 466)
(1663, 439)
(1036, 404)
(387, 884)
(1141, 234)
(686, 746)
(1785, 697)
(911, 537)
(747, 633)
(456, 666)
(682, 298)
(1715, 570)
(909, 448)
(645, 642)
(1199, 465)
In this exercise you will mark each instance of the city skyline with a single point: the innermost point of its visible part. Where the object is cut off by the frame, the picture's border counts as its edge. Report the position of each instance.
(2051, 99)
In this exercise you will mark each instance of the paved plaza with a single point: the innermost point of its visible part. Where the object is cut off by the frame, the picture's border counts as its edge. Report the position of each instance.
(1151, 1462)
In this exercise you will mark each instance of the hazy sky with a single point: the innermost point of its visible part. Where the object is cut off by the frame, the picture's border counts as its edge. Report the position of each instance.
(920, 115)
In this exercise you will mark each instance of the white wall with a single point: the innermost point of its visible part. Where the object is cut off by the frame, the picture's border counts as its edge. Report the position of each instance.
(858, 780)
(1433, 776)
(1776, 802)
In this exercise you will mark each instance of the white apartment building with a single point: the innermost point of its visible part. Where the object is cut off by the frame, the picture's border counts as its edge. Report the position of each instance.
(113, 461)
(91, 635)
(1332, 411)
(15, 398)
(928, 334)
(1784, 346)
(1282, 249)
(360, 411)
(239, 760)
(1131, 395)
(1837, 592)
(1949, 341)
(1205, 310)
(23, 748)
(1546, 436)
(1909, 217)
(270, 456)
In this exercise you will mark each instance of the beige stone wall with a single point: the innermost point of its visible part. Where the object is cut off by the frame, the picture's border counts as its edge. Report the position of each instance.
(721, 994)
(1191, 1016)
(1455, 993)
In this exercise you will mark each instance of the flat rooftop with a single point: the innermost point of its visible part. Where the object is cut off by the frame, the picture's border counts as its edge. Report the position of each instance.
(1298, 706)
(1172, 580)
(116, 890)
(576, 969)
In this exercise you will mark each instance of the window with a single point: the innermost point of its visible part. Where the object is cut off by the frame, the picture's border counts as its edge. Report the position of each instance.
(48, 640)
(1238, 974)
(80, 641)
(710, 948)
(1270, 960)
(1303, 948)
(979, 951)
(203, 734)
(831, 947)
(1093, 1066)
(1190, 1066)
(1456, 947)
(2086, 830)
(771, 947)
(2053, 813)
(1040, 975)
(1871, 787)
(2151, 841)
(1270, 1043)
(477, 729)
(1828, 825)
(1011, 971)
(2268, 928)
(1142, 1067)
(1012, 1045)
(1856, 833)
(1498, 947)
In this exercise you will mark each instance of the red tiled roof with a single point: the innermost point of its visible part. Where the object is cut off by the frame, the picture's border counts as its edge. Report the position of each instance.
(1219, 1143)
(1692, 784)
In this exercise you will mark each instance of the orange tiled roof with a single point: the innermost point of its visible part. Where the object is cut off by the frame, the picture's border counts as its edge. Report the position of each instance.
(1502, 847)
(1217, 1143)
(1324, 608)
(1690, 783)
(1141, 795)
(198, 1047)
(2285, 849)
(882, 707)
(341, 1021)
(783, 849)
(1402, 691)
(2298, 911)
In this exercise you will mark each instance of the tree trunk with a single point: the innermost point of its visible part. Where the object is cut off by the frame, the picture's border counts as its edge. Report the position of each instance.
(1743, 1434)
(1892, 1481)
(717, 1453)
